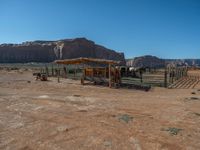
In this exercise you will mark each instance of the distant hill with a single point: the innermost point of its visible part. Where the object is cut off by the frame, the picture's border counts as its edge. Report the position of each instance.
(48, 51)
(153, 61)
(146, 61)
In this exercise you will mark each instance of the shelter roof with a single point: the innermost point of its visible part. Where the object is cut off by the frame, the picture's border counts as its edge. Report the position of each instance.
(85, 60)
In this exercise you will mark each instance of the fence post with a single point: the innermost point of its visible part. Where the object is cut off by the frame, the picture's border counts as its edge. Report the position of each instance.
(52, 71)
(165, 82)
(47, 70)
(141, 76)
(110, 84)
(58, 74)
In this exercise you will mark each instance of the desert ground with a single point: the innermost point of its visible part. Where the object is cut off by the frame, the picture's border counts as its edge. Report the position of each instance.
(36, 115)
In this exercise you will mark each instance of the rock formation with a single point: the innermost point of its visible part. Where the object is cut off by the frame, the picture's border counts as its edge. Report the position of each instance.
(48, 51)
(155, 62)
(146, 61)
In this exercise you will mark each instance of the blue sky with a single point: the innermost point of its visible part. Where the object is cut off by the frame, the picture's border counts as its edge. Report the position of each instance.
(164, 28)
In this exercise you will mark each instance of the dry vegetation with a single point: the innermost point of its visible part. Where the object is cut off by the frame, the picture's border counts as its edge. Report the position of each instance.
(67, 115)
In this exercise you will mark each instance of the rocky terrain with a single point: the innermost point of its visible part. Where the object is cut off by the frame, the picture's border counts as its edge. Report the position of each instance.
(48, 51)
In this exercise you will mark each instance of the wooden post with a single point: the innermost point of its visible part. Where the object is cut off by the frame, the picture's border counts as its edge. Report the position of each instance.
(170, 75)
(47, 70)
(110, 82)
(186, 71)
(182, 72)
(52, 70)
(165, 81)
(64, 72)
(92, 72)
(179, 74)
(141, 76)
(126, 71)
(75, 71)
(58, 74)
(83, 77)
(120, 78)
(176, 74)
(105, 72)
(173, 74)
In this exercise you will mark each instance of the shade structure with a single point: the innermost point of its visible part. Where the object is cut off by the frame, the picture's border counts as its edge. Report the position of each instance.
(85, 60)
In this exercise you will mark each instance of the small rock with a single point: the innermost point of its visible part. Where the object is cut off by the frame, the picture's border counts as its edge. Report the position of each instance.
(77, 95)
(197, 114)
(136, 143)
(43, 96)
(63, 128)
(108, 143)
(194, 98)
(83, 110)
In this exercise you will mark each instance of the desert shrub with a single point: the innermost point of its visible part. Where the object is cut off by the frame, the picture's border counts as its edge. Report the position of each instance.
(125, 117)
(172, 130)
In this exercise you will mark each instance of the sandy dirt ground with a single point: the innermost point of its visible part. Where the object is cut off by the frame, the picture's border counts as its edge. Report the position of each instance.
(37, 115)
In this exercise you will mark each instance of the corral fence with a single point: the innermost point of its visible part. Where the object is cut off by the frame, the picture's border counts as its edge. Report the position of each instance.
(188, 81)
(64, 71)
(169, 76)
(162, 77)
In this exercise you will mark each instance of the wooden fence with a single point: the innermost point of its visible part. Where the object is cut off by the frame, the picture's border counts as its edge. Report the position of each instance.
(156, 77)
(164, 77)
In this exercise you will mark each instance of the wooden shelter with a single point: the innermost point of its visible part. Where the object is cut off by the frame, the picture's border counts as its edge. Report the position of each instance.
(91, 71)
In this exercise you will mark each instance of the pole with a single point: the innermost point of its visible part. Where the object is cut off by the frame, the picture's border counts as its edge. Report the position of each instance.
(58, 74)
(52, 70)
(83, 77)
(165, 82)
(110, 84)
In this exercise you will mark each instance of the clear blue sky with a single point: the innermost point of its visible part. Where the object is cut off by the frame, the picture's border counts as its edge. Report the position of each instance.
(165, 28)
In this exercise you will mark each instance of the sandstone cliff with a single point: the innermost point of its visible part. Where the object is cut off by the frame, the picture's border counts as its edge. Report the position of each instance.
(48, 51)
